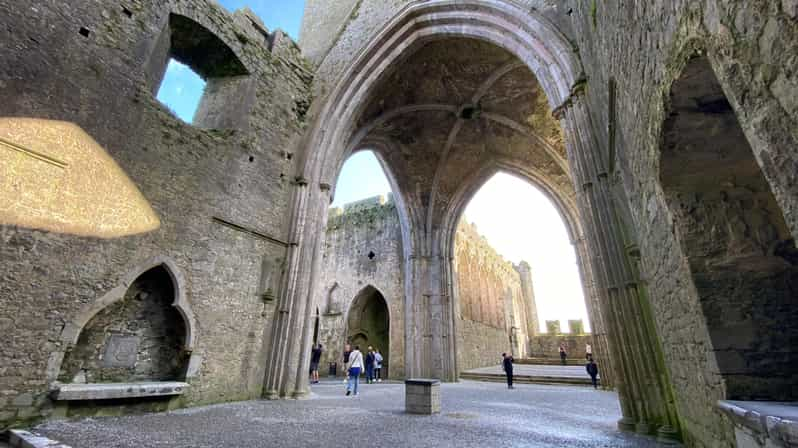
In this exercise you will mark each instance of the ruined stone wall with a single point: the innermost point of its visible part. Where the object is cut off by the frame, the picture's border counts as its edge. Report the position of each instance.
(97, 64)
(362, 248)
(548, 346)
(492, 307)
(644, 46)
(492, 302)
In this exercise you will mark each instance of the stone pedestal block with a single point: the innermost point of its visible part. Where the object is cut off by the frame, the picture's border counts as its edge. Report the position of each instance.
(422, 396)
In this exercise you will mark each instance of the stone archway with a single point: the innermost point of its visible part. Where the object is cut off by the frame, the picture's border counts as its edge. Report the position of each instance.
(533, 46)
(732, 232)
(564, 203)
(368, 323)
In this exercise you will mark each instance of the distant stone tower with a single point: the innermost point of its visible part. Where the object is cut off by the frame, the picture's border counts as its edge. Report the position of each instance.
(525, 272)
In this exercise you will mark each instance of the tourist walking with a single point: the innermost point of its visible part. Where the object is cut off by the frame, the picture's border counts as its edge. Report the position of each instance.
(315, 357)
(370, 365)
(354, 369)
(347, 352)
(592, 370)
(507, 365)
(378, 365)
(563, 355)
(588, 351)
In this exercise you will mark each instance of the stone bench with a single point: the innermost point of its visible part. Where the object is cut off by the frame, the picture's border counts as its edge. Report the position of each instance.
(762, 423)
(422, 396)
(109, 391)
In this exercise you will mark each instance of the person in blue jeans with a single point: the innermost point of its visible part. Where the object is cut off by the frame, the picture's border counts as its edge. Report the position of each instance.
(370, 365)
(355, 367)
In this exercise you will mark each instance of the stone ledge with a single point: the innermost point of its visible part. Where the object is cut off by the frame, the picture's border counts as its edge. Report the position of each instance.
(25, 439)
(107, 391)
(421, 382)
(777, 421)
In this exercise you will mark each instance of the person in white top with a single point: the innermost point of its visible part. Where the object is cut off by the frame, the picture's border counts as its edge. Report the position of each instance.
(588, 351)
(354, 367)
(378, 365)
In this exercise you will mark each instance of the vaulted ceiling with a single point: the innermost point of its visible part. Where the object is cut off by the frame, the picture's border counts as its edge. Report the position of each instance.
(454, 107)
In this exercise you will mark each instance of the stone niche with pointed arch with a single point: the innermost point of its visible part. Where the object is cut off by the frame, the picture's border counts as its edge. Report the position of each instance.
(136, 341)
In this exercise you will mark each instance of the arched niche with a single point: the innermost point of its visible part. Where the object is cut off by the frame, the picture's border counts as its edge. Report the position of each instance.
(738, 248)
(161, 273)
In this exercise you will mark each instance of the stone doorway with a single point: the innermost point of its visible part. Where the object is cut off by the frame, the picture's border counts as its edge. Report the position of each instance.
(368, 324)
(739, 250)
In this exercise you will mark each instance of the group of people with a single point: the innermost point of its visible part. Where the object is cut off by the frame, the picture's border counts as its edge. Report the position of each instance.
(355, 364)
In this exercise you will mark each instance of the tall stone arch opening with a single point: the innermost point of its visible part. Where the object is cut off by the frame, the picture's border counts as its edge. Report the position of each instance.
(731, 230)
(369, 322)
(352, 113)
(563, 202)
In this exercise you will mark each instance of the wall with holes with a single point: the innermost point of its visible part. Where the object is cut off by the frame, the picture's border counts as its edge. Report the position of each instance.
(219, 186)
(362, 250)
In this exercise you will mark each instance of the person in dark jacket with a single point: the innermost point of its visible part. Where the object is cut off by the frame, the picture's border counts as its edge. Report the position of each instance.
(507, 365)
(315, 357)
(563, 355)
(592, 370)
(370, 365)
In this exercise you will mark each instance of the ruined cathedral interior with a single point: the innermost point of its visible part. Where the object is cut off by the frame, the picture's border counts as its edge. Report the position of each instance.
(162, 282)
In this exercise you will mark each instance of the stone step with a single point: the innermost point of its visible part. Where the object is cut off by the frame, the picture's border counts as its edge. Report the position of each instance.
(550, 361)
(526, 379)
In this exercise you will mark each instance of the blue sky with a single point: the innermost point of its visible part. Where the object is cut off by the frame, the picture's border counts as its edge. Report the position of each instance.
(181, 89)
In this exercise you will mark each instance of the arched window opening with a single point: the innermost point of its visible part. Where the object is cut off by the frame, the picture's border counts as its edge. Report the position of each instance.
(140, 338)
(741, 255)
(199, 77)
(517, 277)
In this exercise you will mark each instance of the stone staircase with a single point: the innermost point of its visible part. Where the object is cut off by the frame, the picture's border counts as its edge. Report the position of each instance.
(526, 379)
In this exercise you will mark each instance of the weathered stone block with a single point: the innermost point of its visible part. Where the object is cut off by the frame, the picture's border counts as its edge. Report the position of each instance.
(422, 396)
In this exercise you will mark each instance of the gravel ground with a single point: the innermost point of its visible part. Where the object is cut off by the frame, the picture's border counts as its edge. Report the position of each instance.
(474, 414)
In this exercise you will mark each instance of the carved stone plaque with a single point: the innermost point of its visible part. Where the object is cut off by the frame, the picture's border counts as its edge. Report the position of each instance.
(121, 351)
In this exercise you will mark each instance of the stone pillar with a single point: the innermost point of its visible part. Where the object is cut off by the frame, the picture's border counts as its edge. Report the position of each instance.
(288, 355)
(533, 325)
(601, 349)
(632, 340)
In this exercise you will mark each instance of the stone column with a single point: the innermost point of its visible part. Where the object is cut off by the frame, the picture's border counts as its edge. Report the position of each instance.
(633, 347)
(601, 349)
(525, 273)
(287, 356)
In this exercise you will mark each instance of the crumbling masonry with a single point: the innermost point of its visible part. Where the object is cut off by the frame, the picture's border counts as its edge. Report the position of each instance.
(664, 131)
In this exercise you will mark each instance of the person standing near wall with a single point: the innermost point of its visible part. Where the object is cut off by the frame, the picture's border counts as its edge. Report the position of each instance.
(353, 369)
(588, 351)
(507, 365)
(370, 365)
(378, 365)
(563, 355)
(315, 357)
(592, 370)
